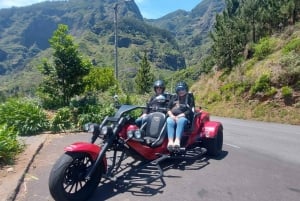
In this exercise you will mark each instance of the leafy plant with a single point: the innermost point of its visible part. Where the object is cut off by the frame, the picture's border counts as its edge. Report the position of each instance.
(99, 79)
(291, 65)
(264, 48)
(292, 45)
(62, 120)
(287, 92)
(261, 85)
(26, 116)
(9, 144)
(64, 78)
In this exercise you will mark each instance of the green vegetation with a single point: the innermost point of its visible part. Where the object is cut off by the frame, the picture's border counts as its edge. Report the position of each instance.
(64, 78)
(293, 45)
(287, 92)
(264, 48)
(246, 22)
(261, 85)
(25, 116)
(144, 77)
(9, 144)
(265, 90)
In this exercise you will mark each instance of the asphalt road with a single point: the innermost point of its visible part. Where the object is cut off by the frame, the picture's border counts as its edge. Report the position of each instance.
(260, 162)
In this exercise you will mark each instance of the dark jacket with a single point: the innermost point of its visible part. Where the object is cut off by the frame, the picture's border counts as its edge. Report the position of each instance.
(154, 103)
(184, 104)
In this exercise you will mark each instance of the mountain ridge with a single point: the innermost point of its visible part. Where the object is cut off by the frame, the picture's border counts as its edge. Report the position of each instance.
(25, 32)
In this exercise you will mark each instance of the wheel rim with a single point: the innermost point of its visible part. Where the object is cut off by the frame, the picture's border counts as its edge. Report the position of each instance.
(75, 174)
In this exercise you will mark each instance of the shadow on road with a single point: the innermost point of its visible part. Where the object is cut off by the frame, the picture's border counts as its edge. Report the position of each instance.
(141, 179)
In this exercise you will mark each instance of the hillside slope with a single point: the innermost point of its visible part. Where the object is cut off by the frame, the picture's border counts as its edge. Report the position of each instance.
(266, 89)
(173, 42)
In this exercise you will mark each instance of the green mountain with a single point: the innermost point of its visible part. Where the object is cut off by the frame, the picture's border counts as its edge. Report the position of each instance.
(172, 42)
(191, 29)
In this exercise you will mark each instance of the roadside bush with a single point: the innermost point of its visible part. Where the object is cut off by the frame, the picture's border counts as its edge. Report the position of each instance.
(9, 145)
(94, 114)
(26, 116)
(62, 120)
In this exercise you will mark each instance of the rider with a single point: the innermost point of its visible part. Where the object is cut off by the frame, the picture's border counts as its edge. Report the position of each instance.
(155, 101)
(180, 111)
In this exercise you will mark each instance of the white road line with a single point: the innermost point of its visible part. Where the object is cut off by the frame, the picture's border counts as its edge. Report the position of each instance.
(232, 145)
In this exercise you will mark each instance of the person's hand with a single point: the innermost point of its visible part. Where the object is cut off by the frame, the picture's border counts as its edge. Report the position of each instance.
(179, 116)
(173, 117)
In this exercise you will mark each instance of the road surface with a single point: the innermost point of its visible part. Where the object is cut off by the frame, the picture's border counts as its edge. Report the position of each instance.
(260, 162)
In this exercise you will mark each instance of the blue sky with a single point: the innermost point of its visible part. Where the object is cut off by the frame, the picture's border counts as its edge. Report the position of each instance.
(150, 9)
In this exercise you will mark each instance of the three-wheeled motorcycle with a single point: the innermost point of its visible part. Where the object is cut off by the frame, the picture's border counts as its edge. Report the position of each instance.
(78, 172)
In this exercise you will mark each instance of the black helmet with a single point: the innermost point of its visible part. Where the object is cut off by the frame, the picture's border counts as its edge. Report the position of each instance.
(181, 86)
(159, 83)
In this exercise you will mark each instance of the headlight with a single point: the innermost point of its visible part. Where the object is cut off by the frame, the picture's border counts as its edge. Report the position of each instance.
(138, 134)
(89, 127)
(130, 134)
(106, 130)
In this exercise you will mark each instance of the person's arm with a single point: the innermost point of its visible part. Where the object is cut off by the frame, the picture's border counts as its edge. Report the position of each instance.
(169, 108)
(191, 105)
(149, 104)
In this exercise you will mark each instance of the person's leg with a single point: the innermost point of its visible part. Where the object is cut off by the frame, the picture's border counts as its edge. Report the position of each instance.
(171, 131)
(179, 130)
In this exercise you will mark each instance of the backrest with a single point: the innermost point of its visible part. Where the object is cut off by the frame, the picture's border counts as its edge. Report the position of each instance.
(156, 128)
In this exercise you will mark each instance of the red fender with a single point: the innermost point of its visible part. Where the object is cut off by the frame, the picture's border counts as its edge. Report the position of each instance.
(92, 149)
(89, 148)
(210, 129)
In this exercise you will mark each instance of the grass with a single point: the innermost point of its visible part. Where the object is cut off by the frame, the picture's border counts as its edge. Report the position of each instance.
(229, 95)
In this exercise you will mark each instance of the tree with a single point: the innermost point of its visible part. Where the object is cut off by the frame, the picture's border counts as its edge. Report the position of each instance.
(100, 79)
(229, 39)
(144, 77)
(250, 11)
(63, 78)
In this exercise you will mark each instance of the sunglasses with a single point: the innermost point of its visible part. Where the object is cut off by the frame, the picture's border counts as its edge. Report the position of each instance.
(180, 89)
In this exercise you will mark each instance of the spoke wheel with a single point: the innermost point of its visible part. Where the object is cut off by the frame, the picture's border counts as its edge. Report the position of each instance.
(67, 180)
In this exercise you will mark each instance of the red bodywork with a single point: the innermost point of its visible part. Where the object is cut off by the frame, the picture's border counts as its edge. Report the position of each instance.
(89, 148)
(202, 127)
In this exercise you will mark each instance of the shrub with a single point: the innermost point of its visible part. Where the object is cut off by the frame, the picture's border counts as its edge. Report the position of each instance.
(95, 114)
(26, 116)
(234, 88)
(62, 120)
(292, 45)
(287, 92)
(271, 91)
(9, 145)
(291, 64)
(264, 48)
(261, 85)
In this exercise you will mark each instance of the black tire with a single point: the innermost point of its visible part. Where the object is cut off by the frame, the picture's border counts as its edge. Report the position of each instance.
(214, 146)
(67, 178)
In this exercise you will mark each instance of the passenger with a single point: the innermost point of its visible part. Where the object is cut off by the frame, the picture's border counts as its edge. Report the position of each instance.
(158, 100)
(180, 111)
